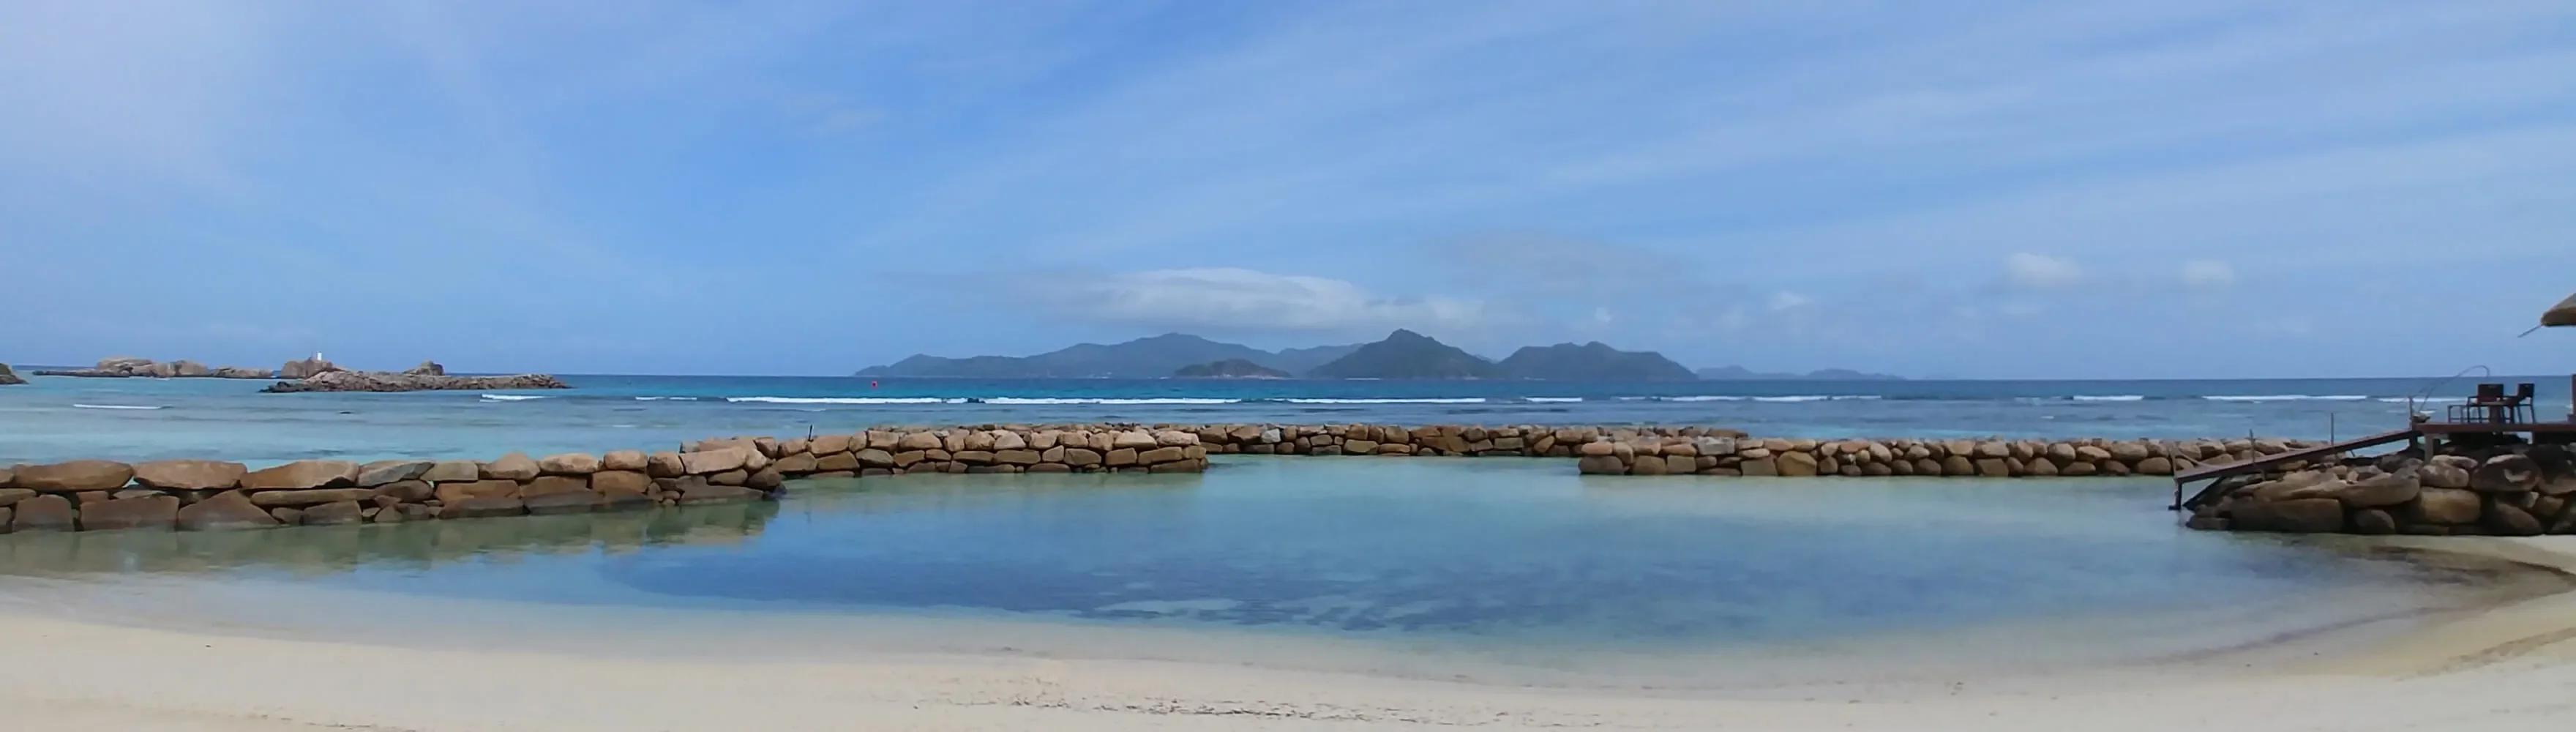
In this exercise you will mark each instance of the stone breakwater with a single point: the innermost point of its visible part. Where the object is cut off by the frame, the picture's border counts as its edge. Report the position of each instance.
(2498, 490)
(208, 494)
(1712, 453)
(94, 495)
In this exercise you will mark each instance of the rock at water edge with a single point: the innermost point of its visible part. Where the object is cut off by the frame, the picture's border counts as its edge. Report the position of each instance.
(226, 510)
(152, 512)
(43, 513)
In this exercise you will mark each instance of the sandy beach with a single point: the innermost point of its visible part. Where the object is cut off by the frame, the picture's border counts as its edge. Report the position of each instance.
(2504, 667)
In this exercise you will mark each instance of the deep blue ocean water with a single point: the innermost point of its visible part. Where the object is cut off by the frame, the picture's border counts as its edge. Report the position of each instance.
(62, 417)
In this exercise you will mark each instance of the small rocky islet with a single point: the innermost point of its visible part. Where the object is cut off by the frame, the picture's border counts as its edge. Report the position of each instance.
(315, 374)
(302, 375)
(129, 367)
(1232, 368)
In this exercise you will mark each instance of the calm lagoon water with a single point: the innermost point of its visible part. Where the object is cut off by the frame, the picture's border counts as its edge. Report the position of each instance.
(1430, 556)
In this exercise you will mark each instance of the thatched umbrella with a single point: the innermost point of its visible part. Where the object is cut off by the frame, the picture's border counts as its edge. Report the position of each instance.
(2562, 314)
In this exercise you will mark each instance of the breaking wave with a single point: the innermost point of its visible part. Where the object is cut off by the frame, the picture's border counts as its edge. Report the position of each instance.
(844, 400)
(1388, 400)
(1108, 400)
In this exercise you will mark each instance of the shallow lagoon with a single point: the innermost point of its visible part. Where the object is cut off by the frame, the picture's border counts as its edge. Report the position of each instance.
(1486, 558)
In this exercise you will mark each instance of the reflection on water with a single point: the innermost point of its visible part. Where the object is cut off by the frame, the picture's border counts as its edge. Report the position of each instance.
(1517, 550)
(414, 547)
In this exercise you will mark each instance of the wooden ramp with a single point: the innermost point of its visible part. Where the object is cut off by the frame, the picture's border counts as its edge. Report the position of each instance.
(2215, 472)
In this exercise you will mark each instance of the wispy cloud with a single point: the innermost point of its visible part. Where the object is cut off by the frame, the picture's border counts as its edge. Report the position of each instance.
(1881, 187)
(2040, 271)
(2208, 273)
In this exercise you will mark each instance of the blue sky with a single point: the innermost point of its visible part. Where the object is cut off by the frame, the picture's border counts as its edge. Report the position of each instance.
(2008, 189)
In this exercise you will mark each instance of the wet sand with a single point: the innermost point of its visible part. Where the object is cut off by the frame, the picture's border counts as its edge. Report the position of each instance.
(2508, 666)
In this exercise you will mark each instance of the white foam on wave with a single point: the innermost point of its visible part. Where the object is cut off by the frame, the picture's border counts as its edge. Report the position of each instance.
(666, 399)
(1552, 400)
(1388, 400)
(1110, 400)
(511, 397)
(1790, 399)
(2110, 397)
(2287, 398)
(2424, 400)
(844, 400)
(116, 406)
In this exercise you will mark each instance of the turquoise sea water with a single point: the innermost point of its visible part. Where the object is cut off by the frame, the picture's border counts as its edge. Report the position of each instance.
(56, 418)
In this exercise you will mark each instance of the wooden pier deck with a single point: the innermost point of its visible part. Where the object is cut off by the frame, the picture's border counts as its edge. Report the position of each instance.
(2539, 431)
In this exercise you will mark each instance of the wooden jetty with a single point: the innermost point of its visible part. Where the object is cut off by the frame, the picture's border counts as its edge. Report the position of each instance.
(2213, 473)
(2492, 417)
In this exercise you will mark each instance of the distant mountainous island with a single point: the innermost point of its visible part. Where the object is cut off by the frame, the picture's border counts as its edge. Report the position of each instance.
(1594, 361)
(1739, 373)
(1232, 368)
(1403, 354)
(1408, 355)
(1143, 358)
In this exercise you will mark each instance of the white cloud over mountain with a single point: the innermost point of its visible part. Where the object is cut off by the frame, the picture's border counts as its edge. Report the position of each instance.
(1230, 299)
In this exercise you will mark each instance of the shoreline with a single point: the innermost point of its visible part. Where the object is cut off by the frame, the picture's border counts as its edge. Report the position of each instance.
(2490, 666)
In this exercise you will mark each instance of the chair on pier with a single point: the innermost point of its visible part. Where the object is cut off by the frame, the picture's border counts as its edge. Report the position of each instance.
(2480, 407)
(2492, 405)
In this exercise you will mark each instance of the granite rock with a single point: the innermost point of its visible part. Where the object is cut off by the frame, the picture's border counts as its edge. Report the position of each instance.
(74, 476)
(49, 512)
(302, 475)
(189, 475)
(226, 510)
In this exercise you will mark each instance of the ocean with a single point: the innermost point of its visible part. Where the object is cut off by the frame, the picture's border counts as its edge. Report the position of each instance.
(55, 418)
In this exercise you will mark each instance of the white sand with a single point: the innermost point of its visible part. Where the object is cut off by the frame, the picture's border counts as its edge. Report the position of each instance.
(2511, 667)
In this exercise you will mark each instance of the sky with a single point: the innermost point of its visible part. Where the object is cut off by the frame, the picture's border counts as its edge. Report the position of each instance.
(2129, 189)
